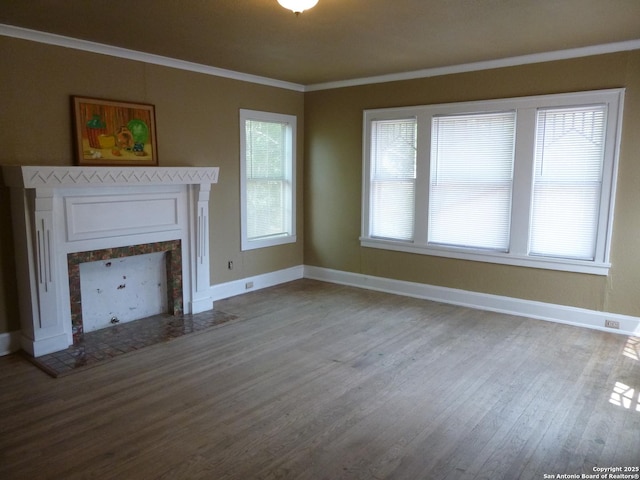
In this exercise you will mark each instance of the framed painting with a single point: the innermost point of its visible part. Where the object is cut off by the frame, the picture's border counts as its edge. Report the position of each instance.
(108, 132)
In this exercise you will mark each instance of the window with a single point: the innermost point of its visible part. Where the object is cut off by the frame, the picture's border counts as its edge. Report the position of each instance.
(526, 181)
(393, 179)
(567, 183)
(471, 180)
(267, 177)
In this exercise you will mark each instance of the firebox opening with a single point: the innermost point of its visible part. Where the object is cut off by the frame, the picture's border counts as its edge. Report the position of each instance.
(123, 289)
(126, 283)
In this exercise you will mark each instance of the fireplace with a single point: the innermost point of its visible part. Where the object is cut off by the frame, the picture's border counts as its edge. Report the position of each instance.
(65, 216)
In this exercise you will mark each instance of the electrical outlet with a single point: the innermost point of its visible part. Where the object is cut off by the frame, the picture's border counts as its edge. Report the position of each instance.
(248, 285)
(612, 324)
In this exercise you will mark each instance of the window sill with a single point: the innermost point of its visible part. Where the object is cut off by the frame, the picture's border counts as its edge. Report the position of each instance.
(577, 266)
(267, 242)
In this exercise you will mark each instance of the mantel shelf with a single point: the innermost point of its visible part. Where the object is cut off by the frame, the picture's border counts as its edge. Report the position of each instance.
(22, 176)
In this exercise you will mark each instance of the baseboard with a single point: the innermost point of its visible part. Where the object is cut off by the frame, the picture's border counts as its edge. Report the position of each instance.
(581, 317)
(9, 342)
(629, 325)
(245, 285)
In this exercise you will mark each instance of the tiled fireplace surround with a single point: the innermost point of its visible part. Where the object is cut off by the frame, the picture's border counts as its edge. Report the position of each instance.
(64, 216)
(173, 261)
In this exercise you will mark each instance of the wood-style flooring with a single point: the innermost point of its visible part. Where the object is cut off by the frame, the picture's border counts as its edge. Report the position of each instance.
(318, 381)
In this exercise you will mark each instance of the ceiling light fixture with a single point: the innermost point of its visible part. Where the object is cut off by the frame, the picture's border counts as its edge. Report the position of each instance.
(298, 6)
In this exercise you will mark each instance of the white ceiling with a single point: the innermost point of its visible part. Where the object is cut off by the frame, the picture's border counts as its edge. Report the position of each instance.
(338, 39)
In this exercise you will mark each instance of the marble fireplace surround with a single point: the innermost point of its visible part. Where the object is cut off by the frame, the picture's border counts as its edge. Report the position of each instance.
(62, 213)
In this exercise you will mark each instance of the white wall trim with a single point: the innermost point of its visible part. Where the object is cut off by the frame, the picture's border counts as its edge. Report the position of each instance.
(238, 287)
(485, 65)
(9, 342)
(103, 49)
(100, 48)
(580, 317)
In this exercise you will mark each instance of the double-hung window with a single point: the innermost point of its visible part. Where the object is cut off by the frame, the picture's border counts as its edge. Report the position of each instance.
(525, 181)
(393, 179)
(267, 178)
(471, 180)
(567, 181)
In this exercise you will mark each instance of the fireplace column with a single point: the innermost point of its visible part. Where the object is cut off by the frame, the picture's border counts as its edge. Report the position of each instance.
(41, 318)
(201, 301)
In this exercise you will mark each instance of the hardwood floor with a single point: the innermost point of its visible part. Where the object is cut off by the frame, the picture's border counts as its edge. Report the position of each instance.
(321, 381)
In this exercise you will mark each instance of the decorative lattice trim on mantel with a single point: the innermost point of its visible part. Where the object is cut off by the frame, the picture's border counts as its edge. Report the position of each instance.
(41, 176)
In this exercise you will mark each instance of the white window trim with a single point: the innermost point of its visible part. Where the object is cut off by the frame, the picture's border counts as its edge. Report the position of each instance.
(291, 121)
(524, 151)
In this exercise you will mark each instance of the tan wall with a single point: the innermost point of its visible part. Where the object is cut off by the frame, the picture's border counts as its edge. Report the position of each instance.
(197, 124)
(333, 183)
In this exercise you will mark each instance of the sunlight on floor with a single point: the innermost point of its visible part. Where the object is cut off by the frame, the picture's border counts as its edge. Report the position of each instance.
(625, 396)
(632, 348)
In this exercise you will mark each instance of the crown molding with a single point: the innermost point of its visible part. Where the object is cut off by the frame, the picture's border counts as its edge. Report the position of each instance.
(484, 65)
(103, 49)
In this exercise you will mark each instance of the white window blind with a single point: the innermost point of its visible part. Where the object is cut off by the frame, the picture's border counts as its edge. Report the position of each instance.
(393, 173)
(266, 182)
(267, 177)
(471, 180)
(569, 160)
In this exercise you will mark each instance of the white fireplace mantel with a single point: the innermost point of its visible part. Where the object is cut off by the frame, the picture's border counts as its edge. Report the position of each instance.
(61, 210)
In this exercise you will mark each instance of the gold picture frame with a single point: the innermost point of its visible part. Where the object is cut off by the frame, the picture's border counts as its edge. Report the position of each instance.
(110, 132)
